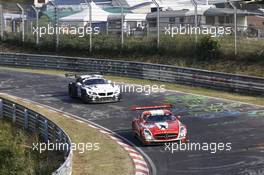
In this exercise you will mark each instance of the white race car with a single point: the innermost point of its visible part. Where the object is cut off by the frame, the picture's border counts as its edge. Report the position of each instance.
(93, 88)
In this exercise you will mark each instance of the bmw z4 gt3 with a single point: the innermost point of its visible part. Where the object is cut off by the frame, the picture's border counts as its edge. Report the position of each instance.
(94, 89)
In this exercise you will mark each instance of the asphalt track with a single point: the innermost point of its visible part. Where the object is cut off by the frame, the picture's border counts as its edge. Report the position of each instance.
(208, 120)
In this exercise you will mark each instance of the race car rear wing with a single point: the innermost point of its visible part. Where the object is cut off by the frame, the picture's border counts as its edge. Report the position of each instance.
(77, 74)
(165, 106)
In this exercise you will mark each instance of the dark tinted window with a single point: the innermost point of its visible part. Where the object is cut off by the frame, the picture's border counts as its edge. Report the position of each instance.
(95, 81)
(160, 118)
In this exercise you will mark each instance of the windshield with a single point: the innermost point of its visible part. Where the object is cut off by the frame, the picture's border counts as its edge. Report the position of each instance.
(95, 81)
(160, 118)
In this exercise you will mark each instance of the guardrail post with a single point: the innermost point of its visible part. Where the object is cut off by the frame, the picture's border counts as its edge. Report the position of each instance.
(54, 139)
(65, 141)
(1, 108)
(59, 136)
(25, 119)
(36, 129)
(14, 113)
(46, 130)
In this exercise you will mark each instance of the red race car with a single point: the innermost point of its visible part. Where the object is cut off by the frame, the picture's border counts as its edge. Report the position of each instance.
(157, 124)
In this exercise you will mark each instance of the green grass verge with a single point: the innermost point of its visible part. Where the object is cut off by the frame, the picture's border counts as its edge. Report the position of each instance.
(108, 160)
(17, 157)
(187, 89)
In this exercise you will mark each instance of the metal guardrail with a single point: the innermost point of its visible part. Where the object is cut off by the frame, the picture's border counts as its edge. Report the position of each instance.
(37, 123)
(165, 73)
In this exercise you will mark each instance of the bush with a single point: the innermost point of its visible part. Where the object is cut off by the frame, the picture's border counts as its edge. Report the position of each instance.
(12, 154)
(207, 48)
(181, 50)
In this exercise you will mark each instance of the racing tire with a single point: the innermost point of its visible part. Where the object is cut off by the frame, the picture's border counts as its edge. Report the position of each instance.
(143, 143)
(72, 89)
(135, 135)
(119, 97)
(85, 97)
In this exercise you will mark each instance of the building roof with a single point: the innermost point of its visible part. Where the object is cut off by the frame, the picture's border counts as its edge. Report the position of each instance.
(116, 10)
(187, 11)
(62, 14)
(167, 14)
(206, 12)
(98, 15)
(128, 17)
(77, 2)
(13, 16)
(130, 3)
(227, 11)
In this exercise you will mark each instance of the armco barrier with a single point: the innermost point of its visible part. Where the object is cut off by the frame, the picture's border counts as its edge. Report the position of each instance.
(172, 74)
(34, 122)
(1, 108)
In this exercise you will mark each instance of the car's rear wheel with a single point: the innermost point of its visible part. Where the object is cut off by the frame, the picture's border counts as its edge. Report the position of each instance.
(72, 90)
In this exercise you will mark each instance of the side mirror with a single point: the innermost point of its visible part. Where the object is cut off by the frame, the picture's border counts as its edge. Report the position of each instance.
(79, 84)
(178, 117)
(109, 81)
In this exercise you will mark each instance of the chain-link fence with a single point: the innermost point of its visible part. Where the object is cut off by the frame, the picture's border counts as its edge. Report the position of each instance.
(236, 31)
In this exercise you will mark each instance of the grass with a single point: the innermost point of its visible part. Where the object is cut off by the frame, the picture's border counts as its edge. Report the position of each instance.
(108, 160)
(17, 157)
(212, 54)
(176, 87)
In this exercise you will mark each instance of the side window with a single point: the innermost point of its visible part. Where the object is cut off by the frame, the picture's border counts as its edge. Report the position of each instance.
(79, 80)
(145, 116)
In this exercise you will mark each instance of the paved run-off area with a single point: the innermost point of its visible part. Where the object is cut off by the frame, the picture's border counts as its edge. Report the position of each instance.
(208, 120)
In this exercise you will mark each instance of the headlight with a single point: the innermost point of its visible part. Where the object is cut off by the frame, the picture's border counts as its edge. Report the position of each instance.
(147, 134)
(90, 92)
(182, 131)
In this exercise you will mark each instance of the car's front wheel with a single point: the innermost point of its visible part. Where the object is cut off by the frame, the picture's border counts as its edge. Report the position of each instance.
(119, 97)
(85, 98)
